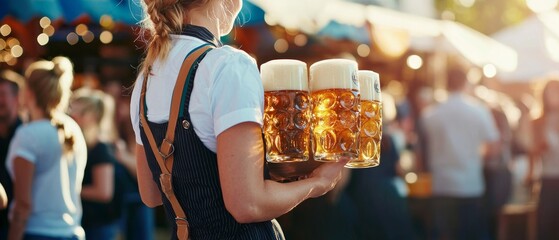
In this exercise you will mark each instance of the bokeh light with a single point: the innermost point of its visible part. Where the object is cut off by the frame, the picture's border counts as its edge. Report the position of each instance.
(363, 50)
(107, 22)
(88, 37)
(12, 61)
(16, 51)
(81, 29)
(281, 45)
(106, 37)
(49, 30)
(44, 22)
(414, 62)
(300, 40)
(489, 71)
(72, 38)
(13, 42)
(411, 178)
(5, 30)
(43, 39)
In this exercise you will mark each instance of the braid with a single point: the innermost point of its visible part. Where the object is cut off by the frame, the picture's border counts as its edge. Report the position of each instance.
(163, 18)
(65, 138)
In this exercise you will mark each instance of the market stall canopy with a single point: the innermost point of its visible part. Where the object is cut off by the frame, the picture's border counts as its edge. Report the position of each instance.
(536, 40)
(312, 16)
(125, 11)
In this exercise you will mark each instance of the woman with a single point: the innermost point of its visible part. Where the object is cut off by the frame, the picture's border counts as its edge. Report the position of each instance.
(92, 109)
(47, 158)
(546, 150)
(219, 181)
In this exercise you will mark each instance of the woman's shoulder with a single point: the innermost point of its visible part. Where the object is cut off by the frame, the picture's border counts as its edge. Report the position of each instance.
(229, 55)
(34, 128)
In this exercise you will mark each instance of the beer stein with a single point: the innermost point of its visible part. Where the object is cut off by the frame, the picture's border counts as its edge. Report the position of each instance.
(371, 121)
(286, 110)
(335, 110)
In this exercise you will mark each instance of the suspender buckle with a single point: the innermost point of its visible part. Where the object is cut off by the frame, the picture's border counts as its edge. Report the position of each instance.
(168, 147)
(181, 220)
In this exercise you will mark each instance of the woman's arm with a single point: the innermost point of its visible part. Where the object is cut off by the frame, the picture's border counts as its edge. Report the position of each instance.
(536, 148)
(102, 187)
(250, 198)
(3, 198)
(125, 157)
(23, 180)
(149, 191)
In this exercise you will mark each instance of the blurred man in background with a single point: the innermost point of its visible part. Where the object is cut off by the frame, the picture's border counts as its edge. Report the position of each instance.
(9, 121)
(461, 133)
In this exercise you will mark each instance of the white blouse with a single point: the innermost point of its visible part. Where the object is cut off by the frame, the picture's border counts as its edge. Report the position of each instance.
(227, 90)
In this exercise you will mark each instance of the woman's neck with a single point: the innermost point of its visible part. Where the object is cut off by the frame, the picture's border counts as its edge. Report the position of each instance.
(199, 17)
(91, 135)
(36, 114)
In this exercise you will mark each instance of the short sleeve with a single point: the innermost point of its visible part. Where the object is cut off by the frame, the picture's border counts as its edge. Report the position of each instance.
(101, 154)
(236, 95)
(135, 109)
(23, 145)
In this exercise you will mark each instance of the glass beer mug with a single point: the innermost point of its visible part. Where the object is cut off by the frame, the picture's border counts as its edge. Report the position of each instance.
(286, 110)
(335, 110)
(371, 121)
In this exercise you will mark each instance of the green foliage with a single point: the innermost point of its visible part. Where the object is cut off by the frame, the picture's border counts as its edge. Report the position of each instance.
(486, 16)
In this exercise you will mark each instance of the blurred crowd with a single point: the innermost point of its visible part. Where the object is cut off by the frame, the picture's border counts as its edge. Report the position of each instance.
(39, 114)
(452, 167)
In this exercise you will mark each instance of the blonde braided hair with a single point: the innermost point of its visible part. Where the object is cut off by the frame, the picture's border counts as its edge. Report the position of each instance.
(163, 18)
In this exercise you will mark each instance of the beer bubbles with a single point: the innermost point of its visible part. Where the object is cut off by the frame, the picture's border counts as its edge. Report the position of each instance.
(335, 110)
(286, 110)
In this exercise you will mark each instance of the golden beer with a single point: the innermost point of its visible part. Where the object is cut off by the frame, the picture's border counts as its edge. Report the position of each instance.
(335, 113)
(286, 111)
(371, 122)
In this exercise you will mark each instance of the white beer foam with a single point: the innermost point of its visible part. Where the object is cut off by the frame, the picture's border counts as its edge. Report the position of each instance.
(284, 74)
(334, 73)
(369, 83)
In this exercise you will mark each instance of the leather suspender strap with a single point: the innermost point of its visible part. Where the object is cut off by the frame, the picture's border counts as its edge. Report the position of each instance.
(164, 154)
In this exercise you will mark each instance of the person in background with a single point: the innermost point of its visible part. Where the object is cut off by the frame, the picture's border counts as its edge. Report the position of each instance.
(10, 83)
(138, 220)
(456, 131)
(3, 198)
(545, 150)
(91, 109)
(47, 158)
(219, 153)
(382, 211)
(496, 172)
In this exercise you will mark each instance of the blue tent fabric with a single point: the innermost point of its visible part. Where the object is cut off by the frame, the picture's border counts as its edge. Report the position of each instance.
(125, 11)
(250, 15)
(130, 12)
(342, 31)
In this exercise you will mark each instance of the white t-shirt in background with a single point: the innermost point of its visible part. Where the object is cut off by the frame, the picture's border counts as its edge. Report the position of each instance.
(456, 130)
(227, 90)
(57, 179)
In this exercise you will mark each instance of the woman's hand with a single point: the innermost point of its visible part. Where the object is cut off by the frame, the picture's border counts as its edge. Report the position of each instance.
(326, 176)
(292, 171)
